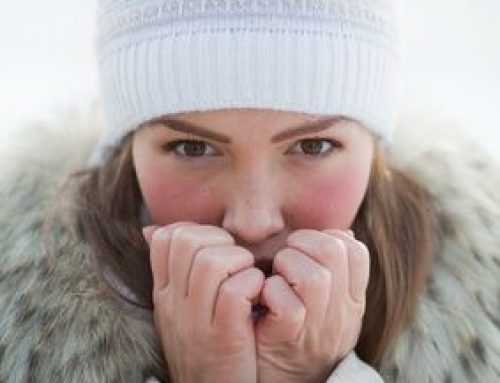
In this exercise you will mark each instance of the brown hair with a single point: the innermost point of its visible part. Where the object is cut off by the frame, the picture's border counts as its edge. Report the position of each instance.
(396, 221)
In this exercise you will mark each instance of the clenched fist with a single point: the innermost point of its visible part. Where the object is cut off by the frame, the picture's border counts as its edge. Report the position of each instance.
(315, 303)
(204, 287)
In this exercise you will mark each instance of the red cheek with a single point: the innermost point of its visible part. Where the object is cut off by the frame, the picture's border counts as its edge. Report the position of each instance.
(329, 203)
(182, 200)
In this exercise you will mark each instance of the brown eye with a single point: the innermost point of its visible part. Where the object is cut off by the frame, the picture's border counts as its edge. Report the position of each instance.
(315, 147)
(190, 148)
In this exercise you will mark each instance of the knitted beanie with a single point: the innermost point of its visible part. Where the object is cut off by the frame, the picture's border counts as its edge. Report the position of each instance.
(324, 57)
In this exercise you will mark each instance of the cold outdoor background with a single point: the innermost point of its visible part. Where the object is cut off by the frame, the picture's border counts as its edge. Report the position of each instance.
(451, 61)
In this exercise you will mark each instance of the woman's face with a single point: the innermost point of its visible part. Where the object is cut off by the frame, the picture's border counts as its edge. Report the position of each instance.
(253, 172)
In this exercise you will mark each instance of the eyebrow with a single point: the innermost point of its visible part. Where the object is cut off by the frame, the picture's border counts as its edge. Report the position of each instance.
(302, 129)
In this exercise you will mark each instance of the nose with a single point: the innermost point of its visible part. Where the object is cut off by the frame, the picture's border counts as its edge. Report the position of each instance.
(253, 210)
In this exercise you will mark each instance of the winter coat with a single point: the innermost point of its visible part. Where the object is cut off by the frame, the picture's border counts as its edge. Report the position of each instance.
(57, 326)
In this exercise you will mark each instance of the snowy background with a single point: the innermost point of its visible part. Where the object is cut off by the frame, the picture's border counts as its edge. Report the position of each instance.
(451, 61)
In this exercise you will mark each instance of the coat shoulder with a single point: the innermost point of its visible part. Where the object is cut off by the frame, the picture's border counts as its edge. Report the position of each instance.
(57, 321)
(455, 334)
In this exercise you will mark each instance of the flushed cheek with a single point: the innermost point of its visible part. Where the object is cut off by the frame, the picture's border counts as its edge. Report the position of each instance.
(170, 200)
(329, 203)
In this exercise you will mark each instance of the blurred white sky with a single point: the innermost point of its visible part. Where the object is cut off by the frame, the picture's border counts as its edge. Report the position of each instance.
(451, 60)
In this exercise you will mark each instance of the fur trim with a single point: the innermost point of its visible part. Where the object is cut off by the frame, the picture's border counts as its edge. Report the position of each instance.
(455, 336)
(57, 325)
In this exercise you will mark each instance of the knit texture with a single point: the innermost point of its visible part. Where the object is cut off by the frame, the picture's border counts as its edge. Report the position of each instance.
(321, 57)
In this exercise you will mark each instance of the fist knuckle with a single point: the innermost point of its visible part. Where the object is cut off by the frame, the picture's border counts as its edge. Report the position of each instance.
(363, 250)
(160, 234)
(225, 236)
(192, 237)
(273, 281)
(217, 232)
(209, 263)
(330, 247)
(341, 246)
(335, 251)
(230, 291)
(317, 281)
(361, 256)
(279, 261)
(258, 275)
(183, 236)
(297, 236)
(243, 253)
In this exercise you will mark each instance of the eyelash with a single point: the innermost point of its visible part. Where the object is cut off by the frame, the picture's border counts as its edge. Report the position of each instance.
(171, 147)
(334, 146)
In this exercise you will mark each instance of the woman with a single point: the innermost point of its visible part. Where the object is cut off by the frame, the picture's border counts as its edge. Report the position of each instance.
(247, 215)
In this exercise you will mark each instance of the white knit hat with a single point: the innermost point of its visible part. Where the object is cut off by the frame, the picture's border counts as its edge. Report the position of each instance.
(324, 57)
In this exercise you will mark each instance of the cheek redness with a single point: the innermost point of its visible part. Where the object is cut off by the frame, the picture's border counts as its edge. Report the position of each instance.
(329, 203)
(180, 200)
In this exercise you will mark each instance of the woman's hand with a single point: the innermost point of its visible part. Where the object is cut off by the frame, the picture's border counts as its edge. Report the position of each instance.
(203, 291)
(315, 302)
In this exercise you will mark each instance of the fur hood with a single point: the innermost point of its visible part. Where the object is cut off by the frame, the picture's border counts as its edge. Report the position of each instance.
(56, 325)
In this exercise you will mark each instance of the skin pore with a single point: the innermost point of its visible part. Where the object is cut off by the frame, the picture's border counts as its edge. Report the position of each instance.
(250, 176)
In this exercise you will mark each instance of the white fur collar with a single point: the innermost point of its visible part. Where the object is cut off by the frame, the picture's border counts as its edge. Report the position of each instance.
(455, 336)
